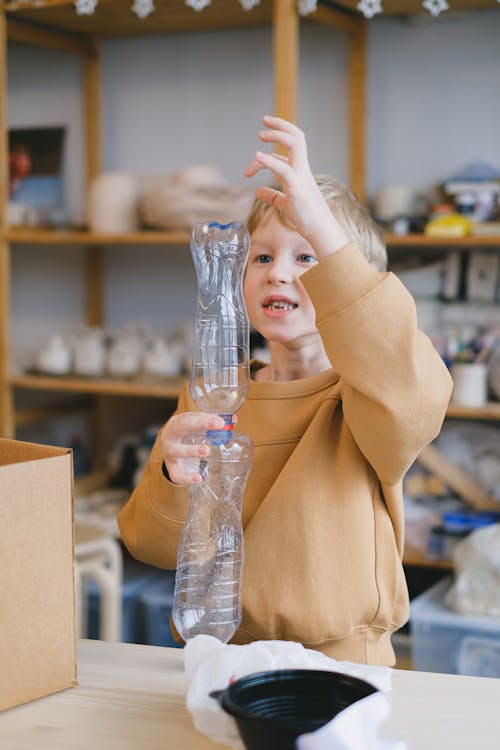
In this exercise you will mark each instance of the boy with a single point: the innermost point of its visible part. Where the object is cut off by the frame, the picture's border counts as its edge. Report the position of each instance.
(352, 393)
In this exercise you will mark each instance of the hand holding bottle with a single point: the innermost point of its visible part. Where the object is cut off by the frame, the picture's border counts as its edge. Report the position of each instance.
(300, 198)
(181, 456)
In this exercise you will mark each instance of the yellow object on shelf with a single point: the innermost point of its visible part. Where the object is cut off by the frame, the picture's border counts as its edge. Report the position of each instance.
(453, 225)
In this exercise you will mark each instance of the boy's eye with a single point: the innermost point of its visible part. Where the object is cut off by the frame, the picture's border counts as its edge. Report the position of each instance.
(306, 258)
(263, 258)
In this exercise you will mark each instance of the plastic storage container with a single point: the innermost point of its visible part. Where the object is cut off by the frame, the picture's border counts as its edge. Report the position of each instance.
(157, 601)
(445, 641)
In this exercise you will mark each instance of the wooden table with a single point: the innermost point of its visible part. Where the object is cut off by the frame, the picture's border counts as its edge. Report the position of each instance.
(131, 697)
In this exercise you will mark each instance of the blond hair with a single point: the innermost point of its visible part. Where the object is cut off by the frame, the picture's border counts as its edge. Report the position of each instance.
(353, 217)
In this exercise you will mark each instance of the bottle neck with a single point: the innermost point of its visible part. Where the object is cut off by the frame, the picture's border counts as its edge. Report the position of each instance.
(223, 436)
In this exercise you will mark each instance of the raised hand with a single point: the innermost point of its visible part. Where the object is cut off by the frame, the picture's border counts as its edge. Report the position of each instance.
(182, 458)
(299, 198)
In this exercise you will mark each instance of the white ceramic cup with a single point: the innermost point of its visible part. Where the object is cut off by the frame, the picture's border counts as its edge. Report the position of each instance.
(393, 201)
(470, 383)
(113, 203)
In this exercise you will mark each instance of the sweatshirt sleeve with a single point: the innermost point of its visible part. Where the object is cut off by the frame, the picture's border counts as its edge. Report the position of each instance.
(151, 521)
(394, 386)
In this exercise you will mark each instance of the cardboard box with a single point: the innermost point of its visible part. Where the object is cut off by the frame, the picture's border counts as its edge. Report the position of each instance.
(37, 600)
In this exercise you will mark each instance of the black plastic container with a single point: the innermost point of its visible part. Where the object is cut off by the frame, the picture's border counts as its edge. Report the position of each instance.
(272, 709)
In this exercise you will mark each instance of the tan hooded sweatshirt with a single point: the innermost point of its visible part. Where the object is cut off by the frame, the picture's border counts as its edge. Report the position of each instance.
(323, 507)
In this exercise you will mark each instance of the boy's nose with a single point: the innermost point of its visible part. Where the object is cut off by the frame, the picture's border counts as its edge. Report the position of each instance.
(279, 273)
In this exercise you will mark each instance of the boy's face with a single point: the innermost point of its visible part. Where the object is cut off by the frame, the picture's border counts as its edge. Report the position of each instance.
(277, 303)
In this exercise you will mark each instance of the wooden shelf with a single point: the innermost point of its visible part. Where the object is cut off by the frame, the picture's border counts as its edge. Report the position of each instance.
(170, 388)
(167, 389)
(34, 236)
(115, 17)
(424, 241)
(30, 236)
(416, 558)
(488, 411)
(33, 414)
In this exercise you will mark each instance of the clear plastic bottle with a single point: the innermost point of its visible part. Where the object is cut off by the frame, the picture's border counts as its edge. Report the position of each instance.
(207, 597)
(220, 371)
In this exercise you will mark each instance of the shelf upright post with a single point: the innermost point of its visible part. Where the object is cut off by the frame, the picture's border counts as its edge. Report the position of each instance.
(94, 290)
(355, 28)
(92, 128)
(357, 109)
(6, 399)
(285, 58)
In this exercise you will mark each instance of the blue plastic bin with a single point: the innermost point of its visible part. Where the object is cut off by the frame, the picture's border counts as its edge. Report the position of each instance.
(157, 600)
(136, 578)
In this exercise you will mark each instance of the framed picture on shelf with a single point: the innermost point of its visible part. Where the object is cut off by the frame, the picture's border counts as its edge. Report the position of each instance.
(35, 176)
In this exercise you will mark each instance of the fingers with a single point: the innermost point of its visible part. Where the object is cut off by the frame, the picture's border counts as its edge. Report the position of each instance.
(280, 167)
(252, 169)
(182, 447)
(271, 196)
(256, 165)
(182, 474)
(286, 134)
(299, 196)
(287, 140)
(282, 157)
(291, 139)
(183, 460)
(180, 425)
(264, 161)
(281, 124)
(175, 451)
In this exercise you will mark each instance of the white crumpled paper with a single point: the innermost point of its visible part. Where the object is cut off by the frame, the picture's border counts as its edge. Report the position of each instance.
(354, 728)
(211, 665)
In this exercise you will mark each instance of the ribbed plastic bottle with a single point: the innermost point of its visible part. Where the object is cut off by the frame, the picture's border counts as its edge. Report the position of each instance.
(221, 360)
(207, 597)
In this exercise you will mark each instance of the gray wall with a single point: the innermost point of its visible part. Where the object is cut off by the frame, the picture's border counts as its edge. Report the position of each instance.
(434, 97)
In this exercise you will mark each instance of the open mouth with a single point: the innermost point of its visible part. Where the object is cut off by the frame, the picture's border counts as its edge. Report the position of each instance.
(280, 305)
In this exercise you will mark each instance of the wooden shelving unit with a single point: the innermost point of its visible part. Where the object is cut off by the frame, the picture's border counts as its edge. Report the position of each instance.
(490, 412)
(55, 24)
